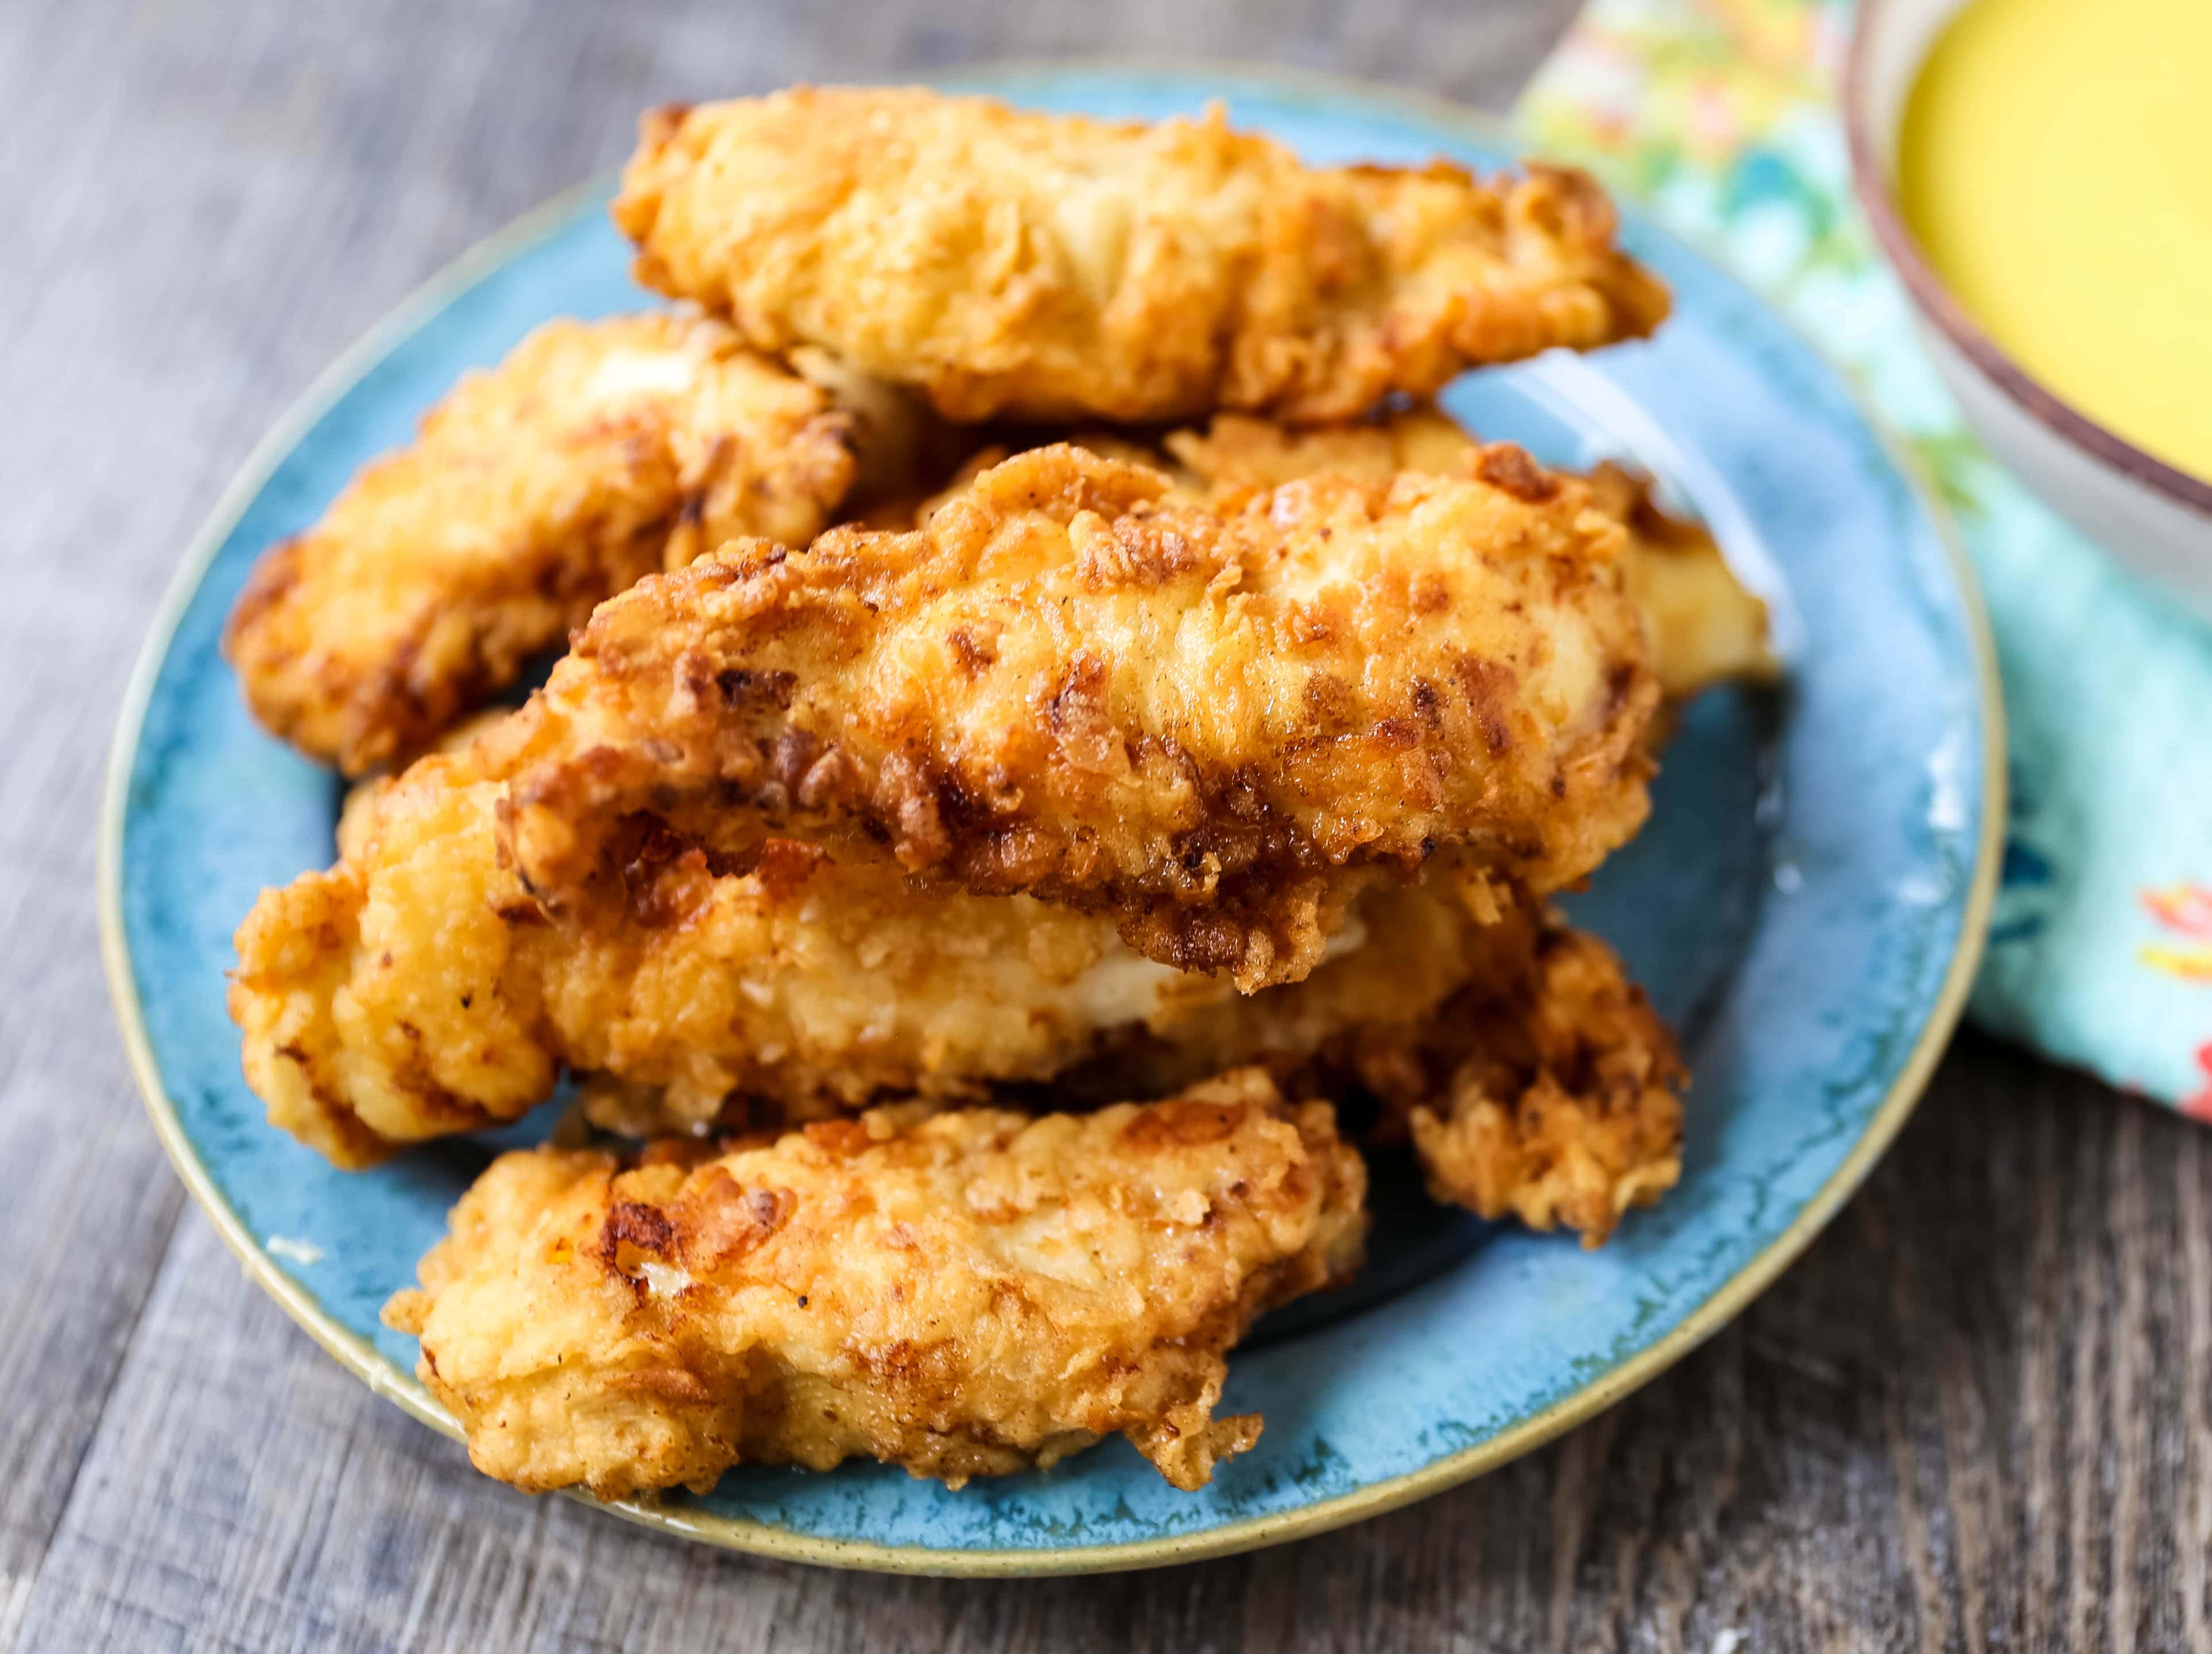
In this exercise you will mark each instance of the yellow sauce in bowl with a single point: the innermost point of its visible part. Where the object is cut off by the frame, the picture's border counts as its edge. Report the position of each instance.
(2056, 166)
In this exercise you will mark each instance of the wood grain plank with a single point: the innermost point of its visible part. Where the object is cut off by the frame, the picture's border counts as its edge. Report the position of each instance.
(2193, 1536)
(89, 1204)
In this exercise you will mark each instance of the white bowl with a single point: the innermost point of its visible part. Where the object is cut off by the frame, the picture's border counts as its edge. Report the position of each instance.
(2154, 520)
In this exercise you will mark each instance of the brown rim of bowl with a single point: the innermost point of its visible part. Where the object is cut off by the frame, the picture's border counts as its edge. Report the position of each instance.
(1871, 183)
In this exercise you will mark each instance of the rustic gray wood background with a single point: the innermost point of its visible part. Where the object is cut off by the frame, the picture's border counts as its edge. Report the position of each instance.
(1978, 1412)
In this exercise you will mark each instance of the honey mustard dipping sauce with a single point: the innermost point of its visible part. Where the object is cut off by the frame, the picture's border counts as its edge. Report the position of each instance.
(2055, 165)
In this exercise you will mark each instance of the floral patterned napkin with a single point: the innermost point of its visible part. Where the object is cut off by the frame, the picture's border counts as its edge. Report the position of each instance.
(1719, 115)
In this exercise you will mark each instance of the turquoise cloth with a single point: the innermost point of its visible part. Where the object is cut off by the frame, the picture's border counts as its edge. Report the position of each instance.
(1720, 116)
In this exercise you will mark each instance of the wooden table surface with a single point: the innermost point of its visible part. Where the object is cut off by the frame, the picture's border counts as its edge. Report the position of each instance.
(1978, 1412)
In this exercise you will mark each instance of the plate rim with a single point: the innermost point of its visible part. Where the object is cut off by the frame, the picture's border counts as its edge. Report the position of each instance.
(738, 1534)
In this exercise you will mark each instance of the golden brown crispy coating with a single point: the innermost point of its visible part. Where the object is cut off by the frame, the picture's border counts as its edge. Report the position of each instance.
(595, 454)
(1054, 267)
(1546, 1088)
(1405, 950)
(381, 1001)
(1704, 627)
(1235, 453)
(416, 989)
(971, 1294)
(1066, 686)
(1071, 1012)
(1533, 1078)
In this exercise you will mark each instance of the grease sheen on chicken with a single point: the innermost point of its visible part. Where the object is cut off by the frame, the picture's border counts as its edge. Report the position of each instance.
(1007, 262)
(1065, 684)
(969, 1294)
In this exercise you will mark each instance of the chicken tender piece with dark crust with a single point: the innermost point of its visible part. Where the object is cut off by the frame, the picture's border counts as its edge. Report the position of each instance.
(972, 1294)
(1545, 1089)
(1705, 628)
(416, 989)
(596, 454)
(1066, 686)
(1124, 1027)
(1040, 266)
(1533, 1079)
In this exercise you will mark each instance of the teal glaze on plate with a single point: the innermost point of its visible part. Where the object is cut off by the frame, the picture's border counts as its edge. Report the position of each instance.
(1799, 905)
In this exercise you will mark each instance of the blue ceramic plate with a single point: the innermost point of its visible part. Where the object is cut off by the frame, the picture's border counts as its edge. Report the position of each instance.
(1806, 905)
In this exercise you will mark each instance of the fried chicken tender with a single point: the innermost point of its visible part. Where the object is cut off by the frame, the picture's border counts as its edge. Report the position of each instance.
(1039, 266)
(972, 1294)
(1704, 626)
(595, 454)
(1533, 1078)
(417, 989)
(1546, 1088)
(1075, 1016)
(1065, 685)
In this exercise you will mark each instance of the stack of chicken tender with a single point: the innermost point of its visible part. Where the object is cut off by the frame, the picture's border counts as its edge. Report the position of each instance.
(1051, 716)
